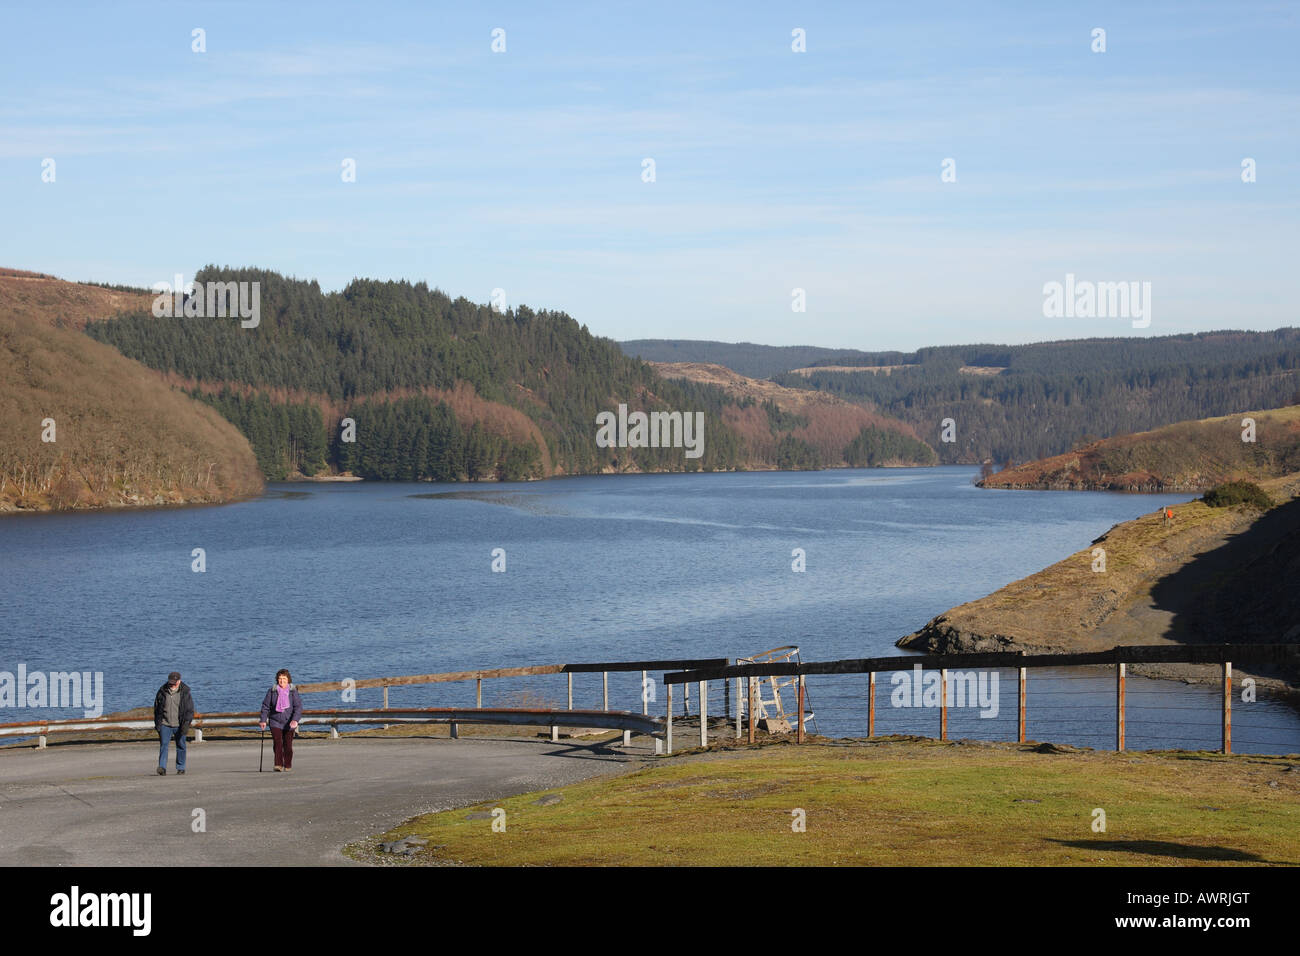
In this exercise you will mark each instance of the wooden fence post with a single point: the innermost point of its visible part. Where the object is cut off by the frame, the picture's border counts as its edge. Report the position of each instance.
(943, 703)
(1119, 706)
(570, 690)
(645, 703)
(871, 703)
(604, 683)
(1227, 707)
(1020, 706)
(478, 692)
(798, 737)
(669, 741)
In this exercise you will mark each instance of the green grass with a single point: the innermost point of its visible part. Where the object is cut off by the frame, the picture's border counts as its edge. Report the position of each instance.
(886, 802)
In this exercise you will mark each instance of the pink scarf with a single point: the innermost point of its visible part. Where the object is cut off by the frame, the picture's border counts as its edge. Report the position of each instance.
(282, 701)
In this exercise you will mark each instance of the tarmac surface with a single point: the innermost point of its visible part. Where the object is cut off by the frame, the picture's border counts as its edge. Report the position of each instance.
(105, 805)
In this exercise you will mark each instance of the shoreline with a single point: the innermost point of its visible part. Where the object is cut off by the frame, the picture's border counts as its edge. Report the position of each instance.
(132, 506)
(7, 510)
(1206, 575)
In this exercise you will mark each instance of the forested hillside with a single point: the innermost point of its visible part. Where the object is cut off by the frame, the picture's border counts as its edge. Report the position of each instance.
(1016, 403)
(435, 388)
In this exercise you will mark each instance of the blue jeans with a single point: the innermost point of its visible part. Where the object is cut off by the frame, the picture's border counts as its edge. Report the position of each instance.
(166, 735)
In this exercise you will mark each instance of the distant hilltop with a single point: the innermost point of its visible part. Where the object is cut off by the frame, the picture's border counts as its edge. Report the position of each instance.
(57, 302)
(745, 358)
(1014, 403)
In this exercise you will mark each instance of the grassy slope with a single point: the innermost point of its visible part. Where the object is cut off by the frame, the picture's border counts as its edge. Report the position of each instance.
(746, 358)
(1186, 456)
(123, 436)
(50, 300)
(893, 803)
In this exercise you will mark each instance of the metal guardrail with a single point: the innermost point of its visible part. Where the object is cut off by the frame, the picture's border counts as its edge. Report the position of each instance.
(478, 676)
(625, 721)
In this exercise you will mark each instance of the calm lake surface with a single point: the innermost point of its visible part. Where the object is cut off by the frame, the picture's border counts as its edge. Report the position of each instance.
(375, 579)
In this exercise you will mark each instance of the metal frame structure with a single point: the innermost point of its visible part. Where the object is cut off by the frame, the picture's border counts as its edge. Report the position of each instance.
(780, 724)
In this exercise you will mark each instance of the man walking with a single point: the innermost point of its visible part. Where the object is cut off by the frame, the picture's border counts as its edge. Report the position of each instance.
(173, 709)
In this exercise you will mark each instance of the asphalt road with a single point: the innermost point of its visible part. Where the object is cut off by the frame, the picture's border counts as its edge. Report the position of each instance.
(105, 805)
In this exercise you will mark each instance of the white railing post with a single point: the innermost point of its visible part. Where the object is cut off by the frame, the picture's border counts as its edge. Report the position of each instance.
(704, 713)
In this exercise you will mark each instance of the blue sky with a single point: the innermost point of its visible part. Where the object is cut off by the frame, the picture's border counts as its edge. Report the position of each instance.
(774, 170)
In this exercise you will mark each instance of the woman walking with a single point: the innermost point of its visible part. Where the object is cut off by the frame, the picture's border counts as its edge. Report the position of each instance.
(282, 708)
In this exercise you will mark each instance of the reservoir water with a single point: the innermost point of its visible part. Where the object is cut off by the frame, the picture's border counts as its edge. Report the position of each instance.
(374, 579)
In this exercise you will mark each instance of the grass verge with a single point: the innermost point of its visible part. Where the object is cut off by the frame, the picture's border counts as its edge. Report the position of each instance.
(886, 802)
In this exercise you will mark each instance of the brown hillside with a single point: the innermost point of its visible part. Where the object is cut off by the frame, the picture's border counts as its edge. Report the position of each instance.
(832, 422)
(1208, 575)
(53, 301)
(1186, 456)
(122, 436)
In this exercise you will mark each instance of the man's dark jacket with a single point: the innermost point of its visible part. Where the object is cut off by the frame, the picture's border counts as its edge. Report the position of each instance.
(186, 709)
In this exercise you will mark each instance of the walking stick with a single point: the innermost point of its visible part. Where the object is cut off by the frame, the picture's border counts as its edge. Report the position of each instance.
(261, 750)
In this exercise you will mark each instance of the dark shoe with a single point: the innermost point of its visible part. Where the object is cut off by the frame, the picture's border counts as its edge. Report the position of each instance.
(180, 771)
(162, 771)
